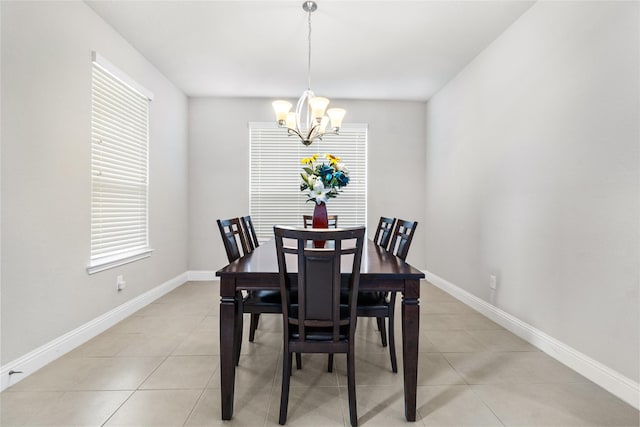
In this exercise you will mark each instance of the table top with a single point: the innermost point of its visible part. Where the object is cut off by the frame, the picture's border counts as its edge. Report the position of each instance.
(377, 263)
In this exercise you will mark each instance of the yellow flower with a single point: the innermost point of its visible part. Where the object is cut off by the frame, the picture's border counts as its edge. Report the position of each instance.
(309, 160)
(332, 159)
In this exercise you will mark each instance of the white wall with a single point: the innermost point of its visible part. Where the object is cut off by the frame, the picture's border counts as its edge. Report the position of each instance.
(532, 175)
(219, 167)
(46, 112)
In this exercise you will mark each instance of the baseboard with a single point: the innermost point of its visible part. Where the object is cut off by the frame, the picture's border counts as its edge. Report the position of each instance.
(36, 359)
(612, 381)
(201, 275)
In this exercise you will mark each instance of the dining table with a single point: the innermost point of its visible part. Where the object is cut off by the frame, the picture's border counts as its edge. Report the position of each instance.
(380, 271)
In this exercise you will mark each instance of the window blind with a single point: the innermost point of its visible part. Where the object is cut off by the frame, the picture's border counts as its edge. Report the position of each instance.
(275, 196)
(119, 171)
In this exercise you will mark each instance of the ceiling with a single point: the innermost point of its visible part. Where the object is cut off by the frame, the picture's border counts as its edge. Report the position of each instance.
(386, 50)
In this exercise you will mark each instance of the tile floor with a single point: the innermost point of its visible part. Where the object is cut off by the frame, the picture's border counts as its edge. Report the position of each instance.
(160, 366)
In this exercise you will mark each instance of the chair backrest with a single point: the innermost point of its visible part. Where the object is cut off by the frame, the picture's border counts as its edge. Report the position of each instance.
(249, 233)
(233, 238)
(332, 221)
(384, 231)
(402, 236)
(319, 278)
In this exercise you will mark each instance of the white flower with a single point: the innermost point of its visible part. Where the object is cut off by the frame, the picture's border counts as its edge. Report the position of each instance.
(341, 167)
(319, 192)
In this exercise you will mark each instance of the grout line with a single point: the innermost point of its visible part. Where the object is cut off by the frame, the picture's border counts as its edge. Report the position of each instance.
(200, 397)
(471, 388)
(118, 408)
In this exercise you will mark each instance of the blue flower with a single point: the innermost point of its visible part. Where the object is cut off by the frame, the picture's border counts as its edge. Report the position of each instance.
(324, 170)
(341, 178)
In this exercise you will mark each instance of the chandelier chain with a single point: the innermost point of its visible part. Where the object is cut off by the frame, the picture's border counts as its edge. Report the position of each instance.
(309, 53)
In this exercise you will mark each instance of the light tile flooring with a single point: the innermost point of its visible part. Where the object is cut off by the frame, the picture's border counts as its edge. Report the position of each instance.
(160, 367)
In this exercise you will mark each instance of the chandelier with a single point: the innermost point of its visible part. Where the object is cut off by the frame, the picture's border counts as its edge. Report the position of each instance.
(309, 121)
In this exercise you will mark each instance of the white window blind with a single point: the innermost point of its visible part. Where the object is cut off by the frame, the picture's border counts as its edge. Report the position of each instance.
(275, 196)
(119, 169)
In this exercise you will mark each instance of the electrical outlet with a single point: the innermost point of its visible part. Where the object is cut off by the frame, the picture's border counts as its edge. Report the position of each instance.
(120, 283)
(493, 282)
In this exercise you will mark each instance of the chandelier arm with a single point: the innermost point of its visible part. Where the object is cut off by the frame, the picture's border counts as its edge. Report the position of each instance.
(311, 132)
(295, 131)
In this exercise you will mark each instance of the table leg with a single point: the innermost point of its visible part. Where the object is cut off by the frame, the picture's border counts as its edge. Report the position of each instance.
(410, 335)
(228, 345)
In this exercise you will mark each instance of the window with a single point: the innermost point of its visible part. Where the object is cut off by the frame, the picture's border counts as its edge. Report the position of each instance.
(119, 168)
(275, 195)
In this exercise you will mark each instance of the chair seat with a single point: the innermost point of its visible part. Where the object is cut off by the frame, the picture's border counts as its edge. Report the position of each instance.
(368, 300)
(265, 298)
(258, 302)
(373, 299)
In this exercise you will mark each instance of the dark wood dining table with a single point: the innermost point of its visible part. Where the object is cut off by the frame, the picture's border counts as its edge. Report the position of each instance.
(380, 271)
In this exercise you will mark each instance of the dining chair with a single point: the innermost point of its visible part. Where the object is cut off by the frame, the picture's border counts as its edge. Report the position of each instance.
(257, 302)
(331, 219)
(402, 237)
(249, 232)
(233, 238)
(384, 231)
(254, 302)
(235, 246)
(381, 305)
(369, 303)
(319, 322)
(398, 246)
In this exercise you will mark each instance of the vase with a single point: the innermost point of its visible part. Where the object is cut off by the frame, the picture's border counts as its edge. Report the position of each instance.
(320, 220)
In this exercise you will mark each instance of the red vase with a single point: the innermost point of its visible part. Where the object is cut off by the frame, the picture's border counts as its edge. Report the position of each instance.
(320, 220)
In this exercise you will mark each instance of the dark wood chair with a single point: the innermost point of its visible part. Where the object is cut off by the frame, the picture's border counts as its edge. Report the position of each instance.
(235, 246)
(332, 221)
(382, 305)
(319, 322)
(402, 237)
(233, 237)
(249, 232)
(255, 302)
(384, 231)
(369, 303)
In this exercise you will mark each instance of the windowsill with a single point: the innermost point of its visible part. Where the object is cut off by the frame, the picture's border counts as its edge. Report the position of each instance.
(118, 260)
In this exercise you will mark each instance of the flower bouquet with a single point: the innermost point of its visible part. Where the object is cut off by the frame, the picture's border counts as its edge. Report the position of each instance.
(323, 180)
